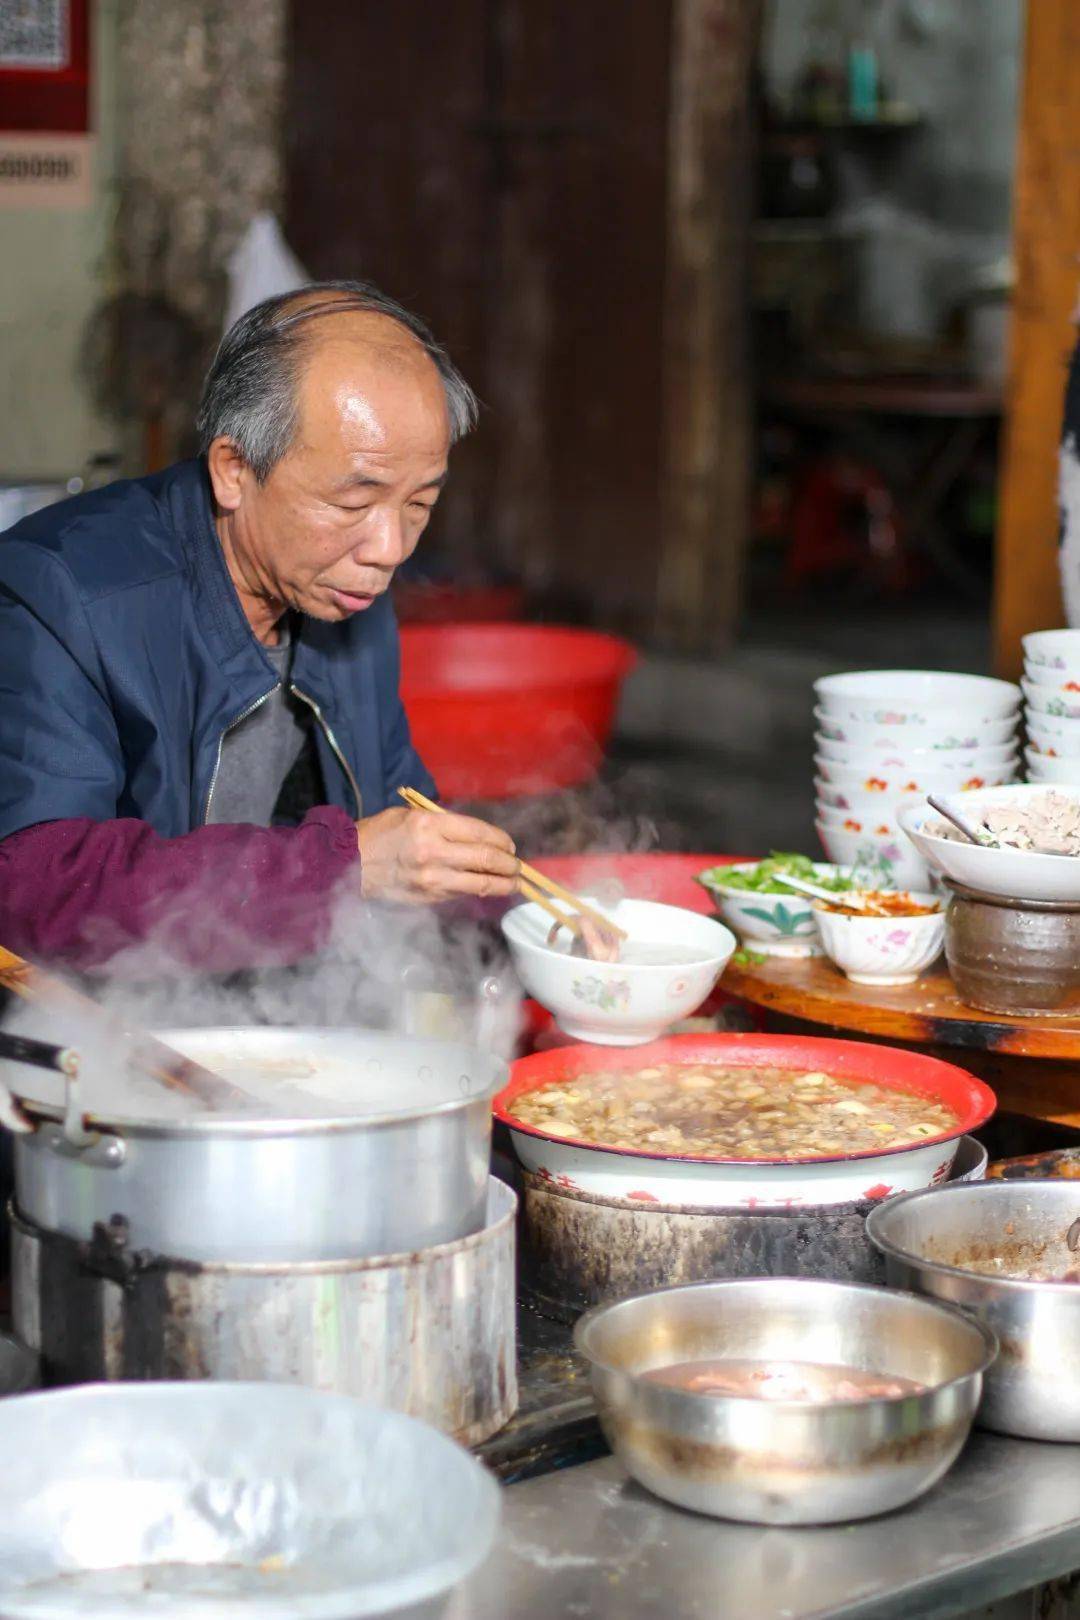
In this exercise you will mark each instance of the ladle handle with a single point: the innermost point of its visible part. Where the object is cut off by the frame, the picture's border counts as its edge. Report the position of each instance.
(21, 1049)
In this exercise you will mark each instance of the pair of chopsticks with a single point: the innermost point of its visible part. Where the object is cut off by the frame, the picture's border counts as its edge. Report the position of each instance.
(534, 885)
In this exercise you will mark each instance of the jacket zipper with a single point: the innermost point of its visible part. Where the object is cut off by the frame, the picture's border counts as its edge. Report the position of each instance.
(221, 740)
(332, 740)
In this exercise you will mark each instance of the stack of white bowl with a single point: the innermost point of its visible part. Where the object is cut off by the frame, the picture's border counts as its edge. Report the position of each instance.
(1052, 706)
(885, 737)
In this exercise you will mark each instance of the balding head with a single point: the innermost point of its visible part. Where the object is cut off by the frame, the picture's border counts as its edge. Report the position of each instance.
(250, 395)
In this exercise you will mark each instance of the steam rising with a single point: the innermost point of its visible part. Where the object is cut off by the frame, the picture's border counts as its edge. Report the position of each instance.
(406, 970)
(401, 970)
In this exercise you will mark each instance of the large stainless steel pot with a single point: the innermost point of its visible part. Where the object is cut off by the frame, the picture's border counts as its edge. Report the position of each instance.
(429, 1334)
(399, 1162)
(927, 1238)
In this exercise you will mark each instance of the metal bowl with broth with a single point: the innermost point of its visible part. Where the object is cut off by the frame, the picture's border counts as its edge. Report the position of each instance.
(949, 1242)
(786, 1462)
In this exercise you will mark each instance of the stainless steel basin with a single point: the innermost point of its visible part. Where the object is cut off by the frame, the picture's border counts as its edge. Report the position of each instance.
(792, 1462)
(1033, 1389)
(206, 1501)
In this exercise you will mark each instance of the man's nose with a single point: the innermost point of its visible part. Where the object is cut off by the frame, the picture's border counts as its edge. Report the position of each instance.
(384, 544)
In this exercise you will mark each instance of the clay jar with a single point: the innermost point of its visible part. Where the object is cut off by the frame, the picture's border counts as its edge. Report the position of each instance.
(1014, 956)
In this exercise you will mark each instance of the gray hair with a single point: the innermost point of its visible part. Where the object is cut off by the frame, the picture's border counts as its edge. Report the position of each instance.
(249, 395)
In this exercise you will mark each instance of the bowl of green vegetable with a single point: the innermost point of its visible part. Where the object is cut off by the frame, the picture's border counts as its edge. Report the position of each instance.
(766, 916)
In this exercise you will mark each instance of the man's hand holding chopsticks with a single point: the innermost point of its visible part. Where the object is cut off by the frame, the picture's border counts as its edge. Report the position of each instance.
(421, 857)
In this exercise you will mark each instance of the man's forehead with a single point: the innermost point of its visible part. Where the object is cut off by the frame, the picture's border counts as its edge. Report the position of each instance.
(358, 377)
(364, 348)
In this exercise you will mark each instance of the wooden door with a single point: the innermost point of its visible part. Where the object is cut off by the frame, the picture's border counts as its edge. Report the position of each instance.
(503, 167)
(500, 166)
(385, 177)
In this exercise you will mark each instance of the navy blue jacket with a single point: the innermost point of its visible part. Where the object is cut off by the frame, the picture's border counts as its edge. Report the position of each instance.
(125, 656)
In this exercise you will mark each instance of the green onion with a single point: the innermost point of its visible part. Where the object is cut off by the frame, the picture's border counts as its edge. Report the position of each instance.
(761, 879)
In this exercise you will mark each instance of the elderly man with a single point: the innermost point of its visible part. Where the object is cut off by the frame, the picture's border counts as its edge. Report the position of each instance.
(183, 655)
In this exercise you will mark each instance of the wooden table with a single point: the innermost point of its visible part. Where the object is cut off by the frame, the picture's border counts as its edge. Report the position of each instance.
(1033, 1064)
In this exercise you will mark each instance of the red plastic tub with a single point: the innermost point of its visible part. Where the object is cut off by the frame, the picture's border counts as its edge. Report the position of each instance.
(501, 710)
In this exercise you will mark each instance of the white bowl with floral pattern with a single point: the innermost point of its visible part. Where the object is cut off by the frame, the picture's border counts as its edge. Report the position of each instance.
(1052, 649)
(879, 821)
(627, 1002)
(850, 787)
(897, 757)
(879, 863)
(944, 736)
(865, 806)
(1058, 680)
(1063, 768)
(1051, 734)
(882, 950)
(1051, 700)
(773, 924)
(916, 699)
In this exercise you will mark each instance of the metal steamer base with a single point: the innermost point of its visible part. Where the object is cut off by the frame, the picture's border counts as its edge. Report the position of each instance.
(579, 1249)
(430, 1333)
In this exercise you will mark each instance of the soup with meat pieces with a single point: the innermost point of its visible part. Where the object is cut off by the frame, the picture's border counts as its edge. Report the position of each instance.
(818, 1382)
(1015, 1271)
(713, 1110)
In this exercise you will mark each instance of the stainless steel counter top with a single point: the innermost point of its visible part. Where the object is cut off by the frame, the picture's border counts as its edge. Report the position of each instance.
(587, 1542)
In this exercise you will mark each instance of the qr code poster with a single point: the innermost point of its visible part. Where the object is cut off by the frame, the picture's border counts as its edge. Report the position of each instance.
(44, 66)
(34, 34)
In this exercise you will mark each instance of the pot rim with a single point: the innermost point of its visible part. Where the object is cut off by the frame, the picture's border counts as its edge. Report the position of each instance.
(1003, 902)
(908, 1257)
(797, 1049)
(270, 1125)
(238, 1126)
(585, 1325)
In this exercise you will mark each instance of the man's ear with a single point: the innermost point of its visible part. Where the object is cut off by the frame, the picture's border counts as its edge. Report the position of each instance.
(228, 473)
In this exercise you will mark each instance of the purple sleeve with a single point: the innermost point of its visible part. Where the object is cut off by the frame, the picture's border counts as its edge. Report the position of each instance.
(221, 898)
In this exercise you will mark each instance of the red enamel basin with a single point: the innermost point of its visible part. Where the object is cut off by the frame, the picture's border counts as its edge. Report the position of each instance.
(714, 1182)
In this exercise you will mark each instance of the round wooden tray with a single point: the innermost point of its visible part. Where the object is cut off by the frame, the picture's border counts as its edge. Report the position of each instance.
(928, 1012)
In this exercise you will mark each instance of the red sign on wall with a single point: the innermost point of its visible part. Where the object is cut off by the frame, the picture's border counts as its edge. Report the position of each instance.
(44, 66)
(45, 150)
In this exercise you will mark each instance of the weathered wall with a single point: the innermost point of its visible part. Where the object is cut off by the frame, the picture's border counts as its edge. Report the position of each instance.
(187, 108)
(200, 115)
(54, 268)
